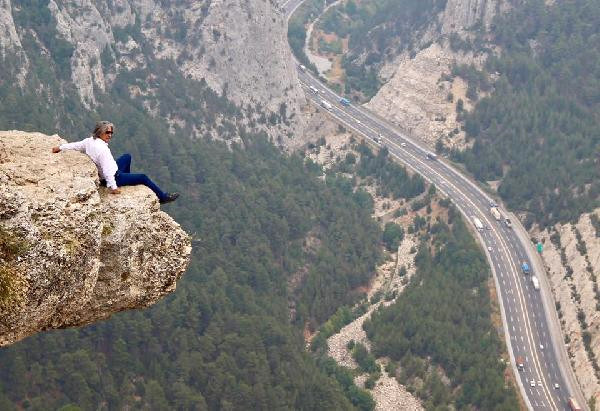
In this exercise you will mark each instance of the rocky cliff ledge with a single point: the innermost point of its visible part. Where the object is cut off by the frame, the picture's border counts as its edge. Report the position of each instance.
(70, 252)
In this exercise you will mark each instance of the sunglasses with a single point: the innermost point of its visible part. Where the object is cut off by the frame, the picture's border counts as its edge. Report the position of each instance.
(108, 132)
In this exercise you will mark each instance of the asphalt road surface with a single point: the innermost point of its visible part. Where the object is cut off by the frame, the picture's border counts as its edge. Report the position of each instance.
(528, 315)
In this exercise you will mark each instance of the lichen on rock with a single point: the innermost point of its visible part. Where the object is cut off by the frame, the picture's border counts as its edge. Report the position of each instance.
(82, 254)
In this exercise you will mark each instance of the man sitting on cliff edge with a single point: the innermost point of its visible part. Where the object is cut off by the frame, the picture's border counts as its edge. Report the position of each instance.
(113, 174)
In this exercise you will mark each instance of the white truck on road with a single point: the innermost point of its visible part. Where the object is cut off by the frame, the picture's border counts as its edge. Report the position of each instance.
(535, 282)
(477, 223)
(326, 104)
(496, 213)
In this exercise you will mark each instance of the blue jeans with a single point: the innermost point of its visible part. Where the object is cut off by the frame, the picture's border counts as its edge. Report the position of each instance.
(124, 177)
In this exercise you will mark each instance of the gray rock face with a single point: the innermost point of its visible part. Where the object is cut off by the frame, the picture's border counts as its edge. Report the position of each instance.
(9, 38)
(85, 254)
(248, 42)
(463, 14)
(237, 45)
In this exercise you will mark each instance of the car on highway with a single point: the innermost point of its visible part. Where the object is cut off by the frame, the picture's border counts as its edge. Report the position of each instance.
(493, 204)
(541, 347)
(539, 383)
(490, 249)
(532, 383)
(402, 144)
(344, 101)
(313, 89)
(556, 386)
(302, 67)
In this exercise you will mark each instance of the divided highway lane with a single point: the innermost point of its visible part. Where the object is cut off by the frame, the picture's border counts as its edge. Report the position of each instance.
(523, 311)
(522, 307)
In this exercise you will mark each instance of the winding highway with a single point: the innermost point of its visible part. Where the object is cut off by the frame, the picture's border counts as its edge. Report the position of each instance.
(531, 328)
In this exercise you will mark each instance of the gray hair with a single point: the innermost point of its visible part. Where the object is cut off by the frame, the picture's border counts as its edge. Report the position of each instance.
(101, 127)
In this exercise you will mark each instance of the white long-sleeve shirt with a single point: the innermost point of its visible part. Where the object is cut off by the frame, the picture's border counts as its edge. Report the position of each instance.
(98, 151)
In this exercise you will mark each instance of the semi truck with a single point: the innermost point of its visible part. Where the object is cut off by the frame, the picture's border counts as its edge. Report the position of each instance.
(326, 104)
(525, 267)
(477, 223)
(535, 282)
(520, 363)
(496, 213)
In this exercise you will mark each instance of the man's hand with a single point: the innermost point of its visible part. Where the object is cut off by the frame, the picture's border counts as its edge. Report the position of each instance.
(56, 149)
(115, 191)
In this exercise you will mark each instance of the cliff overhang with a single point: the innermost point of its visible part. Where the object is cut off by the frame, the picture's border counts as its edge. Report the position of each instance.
(71, 253)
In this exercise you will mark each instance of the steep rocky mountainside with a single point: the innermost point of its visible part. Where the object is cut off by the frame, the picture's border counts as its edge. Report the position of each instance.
(419, 94)
(70, 253)
(161, 55)
(421, 99)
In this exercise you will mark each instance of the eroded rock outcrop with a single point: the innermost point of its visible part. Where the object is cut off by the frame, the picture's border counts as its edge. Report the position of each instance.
(81, 253)
(419, 100)
(418, 95)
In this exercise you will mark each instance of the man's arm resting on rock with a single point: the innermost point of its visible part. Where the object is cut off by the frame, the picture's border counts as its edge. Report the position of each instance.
(78, 145)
